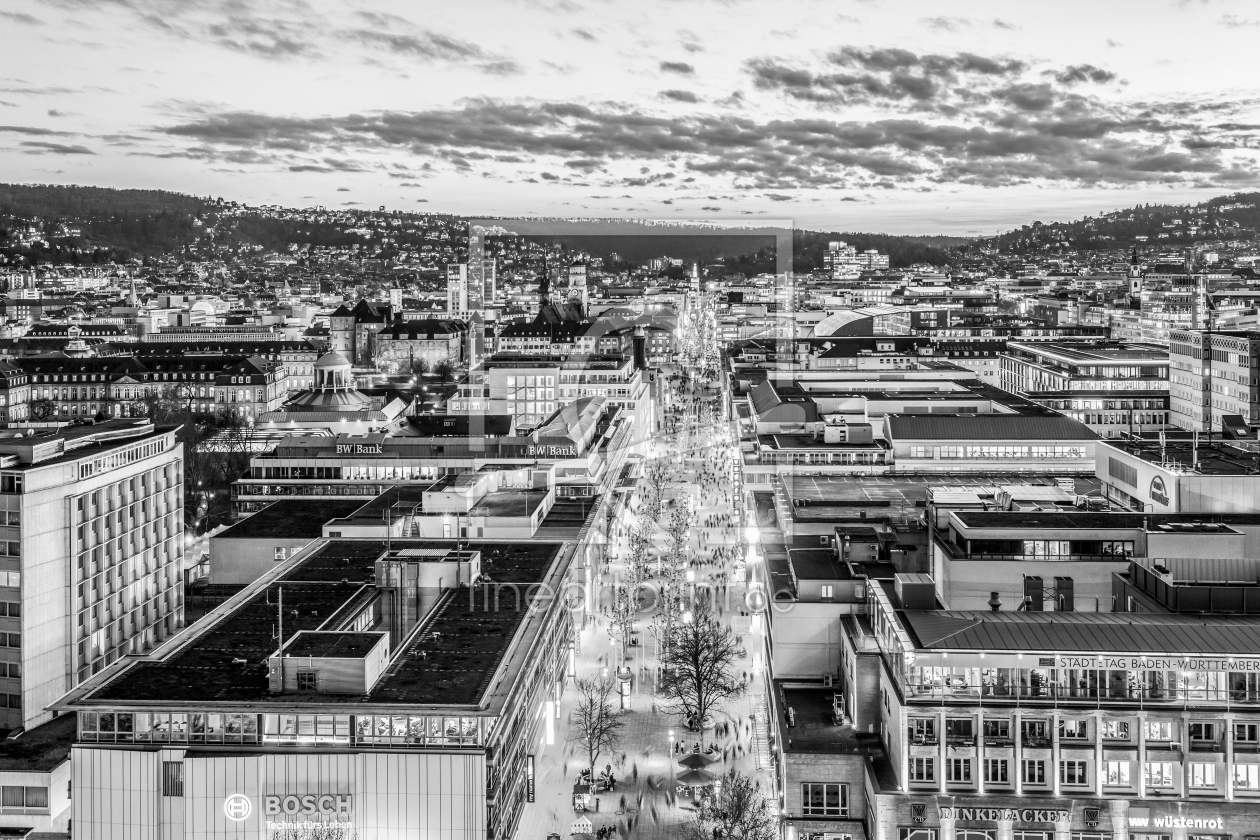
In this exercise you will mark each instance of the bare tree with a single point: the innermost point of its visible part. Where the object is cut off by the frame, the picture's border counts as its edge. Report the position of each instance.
(658, 476)
(622, 614)
(313, 830)
(737, 811)
(445, 369)
(640, 540)
(43, 409)
(699, 665)
(678, 530)
(595, 723)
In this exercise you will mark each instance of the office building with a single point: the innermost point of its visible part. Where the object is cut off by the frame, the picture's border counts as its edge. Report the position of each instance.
(94, 551)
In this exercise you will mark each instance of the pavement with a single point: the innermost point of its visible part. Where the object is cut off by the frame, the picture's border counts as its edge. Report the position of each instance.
(644, 805)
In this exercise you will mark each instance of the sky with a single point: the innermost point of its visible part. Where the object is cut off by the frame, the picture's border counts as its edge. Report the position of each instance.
(936, 117)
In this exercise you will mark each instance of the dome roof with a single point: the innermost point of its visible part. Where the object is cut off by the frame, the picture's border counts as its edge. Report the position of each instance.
(332, 360)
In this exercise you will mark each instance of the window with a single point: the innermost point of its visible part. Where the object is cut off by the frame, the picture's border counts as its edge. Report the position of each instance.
(824, 800)
(1247, 776)
(1036, 730)
(1072, 772)
(828, 592)
(1159, 774)
(1073, 729)
(1202, 775)
(1115, 730)
(281, 552)
(1202, 731)
(1000, 729)
(958, 769)
(1245, 732)
(958, 729)
(172, 778)
(922, 770)
(923, 730)
(995, 770)
(1159, 730)
(307, 680)
(23, 797)
(1116, 773)
(1033, 771)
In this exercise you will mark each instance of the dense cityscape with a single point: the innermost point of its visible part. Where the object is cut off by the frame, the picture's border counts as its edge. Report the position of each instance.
(573, 420)
(363, 524)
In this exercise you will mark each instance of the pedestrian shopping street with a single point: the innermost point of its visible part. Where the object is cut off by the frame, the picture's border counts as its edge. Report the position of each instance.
(645, 802)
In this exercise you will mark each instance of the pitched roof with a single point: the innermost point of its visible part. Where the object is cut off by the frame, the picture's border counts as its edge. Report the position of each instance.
(1084, 632)
(984, 427)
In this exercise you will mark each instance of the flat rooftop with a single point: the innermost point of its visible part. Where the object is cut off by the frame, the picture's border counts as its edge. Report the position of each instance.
(816, 732)
(303, 517)
(41, 749)
(1083, 632)
(789, 442)
(1095, 351)
(1171, 522)
(1180, 454)
(817, 564)
(332, 644)
(902, 490)
(452, 662)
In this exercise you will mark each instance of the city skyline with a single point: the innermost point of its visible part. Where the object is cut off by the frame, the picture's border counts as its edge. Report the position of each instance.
(905, 118)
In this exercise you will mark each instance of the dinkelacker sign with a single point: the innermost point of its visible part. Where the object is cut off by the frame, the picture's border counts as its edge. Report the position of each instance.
(1022, 815)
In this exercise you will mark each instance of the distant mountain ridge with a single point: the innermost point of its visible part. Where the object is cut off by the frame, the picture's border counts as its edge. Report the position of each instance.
(1234, 216)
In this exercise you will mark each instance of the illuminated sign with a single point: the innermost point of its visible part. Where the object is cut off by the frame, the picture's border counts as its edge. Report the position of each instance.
(1158, 663)
(1159, 493)
(529, 780)
(309, 804)
(1141, 818)
(1027, 815)
(551, 452)
(237, 807)
(360, 449)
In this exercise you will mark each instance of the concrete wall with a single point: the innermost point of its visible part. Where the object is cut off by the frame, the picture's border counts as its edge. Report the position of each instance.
(807, 639)
(241, 561)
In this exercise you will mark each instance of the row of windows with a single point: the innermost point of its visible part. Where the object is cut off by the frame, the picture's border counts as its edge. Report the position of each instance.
(988, 452)
(219, 728)
(923, 730)
(1158, 774)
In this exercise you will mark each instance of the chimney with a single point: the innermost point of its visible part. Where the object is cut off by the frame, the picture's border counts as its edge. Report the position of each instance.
(995, 603)
(1065, 600)
(1033, 593)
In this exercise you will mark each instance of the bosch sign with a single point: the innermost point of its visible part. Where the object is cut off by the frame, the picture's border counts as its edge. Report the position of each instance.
(1159, 493)
(309, 804)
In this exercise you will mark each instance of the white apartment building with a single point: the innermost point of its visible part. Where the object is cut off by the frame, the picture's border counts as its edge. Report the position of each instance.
(91, 525)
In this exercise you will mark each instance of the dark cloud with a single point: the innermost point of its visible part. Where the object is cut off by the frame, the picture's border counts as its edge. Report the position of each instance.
(21, 17)
(584, 34)
(423, 45)
(778, 197)
(1077, 73)
(680, 67)
(680, 95)
(692, 47)
(30, 129)
(1023, 135)
(998, 23)
(848, 198)
(501, 68)
(547, 176)
(887, 75)
(711, 208)
(43, 147)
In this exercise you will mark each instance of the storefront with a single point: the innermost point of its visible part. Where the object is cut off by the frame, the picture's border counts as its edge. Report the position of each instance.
(993, 817)
(207, 794)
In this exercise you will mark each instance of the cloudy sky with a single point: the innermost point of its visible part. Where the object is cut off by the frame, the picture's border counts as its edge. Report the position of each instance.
(878, 115)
